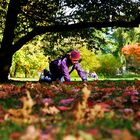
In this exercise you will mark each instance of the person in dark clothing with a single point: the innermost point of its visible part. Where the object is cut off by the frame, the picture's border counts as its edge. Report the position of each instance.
(59, 68)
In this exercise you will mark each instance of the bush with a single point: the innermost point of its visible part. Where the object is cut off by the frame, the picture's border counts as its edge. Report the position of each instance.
(28, 62)
(109, 64)
(89, 60)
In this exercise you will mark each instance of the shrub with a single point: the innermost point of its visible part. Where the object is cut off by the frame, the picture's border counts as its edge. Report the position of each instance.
(89, 60)
(28, 61)
(109, 64)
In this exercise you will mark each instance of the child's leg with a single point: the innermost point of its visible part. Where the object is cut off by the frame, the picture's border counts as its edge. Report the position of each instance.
(45, 76)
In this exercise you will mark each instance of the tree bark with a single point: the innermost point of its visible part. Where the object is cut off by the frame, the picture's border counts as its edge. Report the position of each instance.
(6, 50)
(5, 63)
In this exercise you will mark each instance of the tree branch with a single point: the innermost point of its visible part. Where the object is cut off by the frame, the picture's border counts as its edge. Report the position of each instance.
(61, 28)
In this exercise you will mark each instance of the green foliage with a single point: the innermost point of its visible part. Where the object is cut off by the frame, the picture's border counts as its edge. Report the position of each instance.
(109, 64)
(56, 45)
(10, 102)
(28, 62)
(124, 36)
(3, 11)
(89, 60)
(7, 128)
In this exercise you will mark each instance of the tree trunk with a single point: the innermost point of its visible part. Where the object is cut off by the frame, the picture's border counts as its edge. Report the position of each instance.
(6, 50)
(5, 64)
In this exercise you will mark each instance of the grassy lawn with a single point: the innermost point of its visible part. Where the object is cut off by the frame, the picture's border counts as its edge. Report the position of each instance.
(77, 79)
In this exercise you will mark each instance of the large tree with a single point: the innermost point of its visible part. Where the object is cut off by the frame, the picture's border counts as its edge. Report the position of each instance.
(27, 18)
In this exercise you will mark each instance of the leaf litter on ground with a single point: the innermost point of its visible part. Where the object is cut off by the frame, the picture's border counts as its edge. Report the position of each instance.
(93, 110)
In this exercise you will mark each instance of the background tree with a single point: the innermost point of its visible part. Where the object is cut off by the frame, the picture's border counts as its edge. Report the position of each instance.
(124, 36)
(30, 60)
(132, 54)
(27, 18)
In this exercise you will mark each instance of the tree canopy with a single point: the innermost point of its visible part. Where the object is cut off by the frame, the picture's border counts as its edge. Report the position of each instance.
(22, 20)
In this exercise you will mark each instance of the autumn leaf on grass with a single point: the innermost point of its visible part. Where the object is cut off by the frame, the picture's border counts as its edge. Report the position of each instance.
(23, 114)
(28, 103)
(80, 105)
(123, 135)
(118, 102)
(137, 116)
(48, 101)
(31, 133)
(50, 109)
(127, 114)
(7, 90)
(67, 91)
(66, 101)
(3, 94)
(134, 99)
(81, 135)
(134, 91)
(2, 114)
(77, 111)
(136, 126)
(54, 87)
(69, 137)
(49, 133)
(15, 136)
(63, 108)
(85, 96)
(96, 112)
(47, 92)
(130, 91)
(94, 132)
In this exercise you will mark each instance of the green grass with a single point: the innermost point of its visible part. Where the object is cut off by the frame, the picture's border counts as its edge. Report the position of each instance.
(9, 102)
(76, 79)
(7, 128)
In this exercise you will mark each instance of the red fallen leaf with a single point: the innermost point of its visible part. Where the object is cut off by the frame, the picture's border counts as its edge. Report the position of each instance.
(1, 120)
(116, 131)
(125, 94)
(44, 136)
(63, 108)
(128, 111)
(104, 106)
(135, 106)
(48, 92)
(134, 99)
(76, 89)
(8, 87)
(68, 83)
(134, 92)
(109, 102)
(90, 103)
(48, 101)
(66, 101)
(3, 94)
(93, 132)
(97, 89)
(137, 116)
(14, 136)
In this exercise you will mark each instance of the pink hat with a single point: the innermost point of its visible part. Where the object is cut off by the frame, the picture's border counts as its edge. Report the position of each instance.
(75, 55)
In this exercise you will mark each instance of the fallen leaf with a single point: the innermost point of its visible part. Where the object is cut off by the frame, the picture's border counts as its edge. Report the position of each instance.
(66, 101)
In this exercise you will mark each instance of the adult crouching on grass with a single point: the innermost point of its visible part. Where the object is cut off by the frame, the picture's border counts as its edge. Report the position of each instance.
(59, 68)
